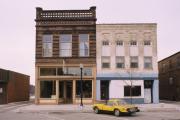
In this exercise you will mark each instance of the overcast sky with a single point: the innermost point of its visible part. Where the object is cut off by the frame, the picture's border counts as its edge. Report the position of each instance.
(17, 26)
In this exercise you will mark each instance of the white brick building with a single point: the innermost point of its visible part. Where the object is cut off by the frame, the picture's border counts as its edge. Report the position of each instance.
(127, 54)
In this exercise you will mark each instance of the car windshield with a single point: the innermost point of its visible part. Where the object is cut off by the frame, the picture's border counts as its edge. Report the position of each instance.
(120, 102)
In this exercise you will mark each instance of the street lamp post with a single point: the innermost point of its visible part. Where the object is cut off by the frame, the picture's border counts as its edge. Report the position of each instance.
(81, 89)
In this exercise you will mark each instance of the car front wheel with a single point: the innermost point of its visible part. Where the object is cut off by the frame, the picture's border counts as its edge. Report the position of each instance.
(116, 112)
(96, 110)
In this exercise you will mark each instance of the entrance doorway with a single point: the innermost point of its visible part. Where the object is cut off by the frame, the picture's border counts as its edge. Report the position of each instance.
(104, 90)
(3, 93)
(148, 91)
(65, 91)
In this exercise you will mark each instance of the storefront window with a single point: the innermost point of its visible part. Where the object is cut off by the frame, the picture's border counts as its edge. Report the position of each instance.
(47, 71)
(65, 71)
(74, 71)
(136, 91)
(47, 89)
(87, 88)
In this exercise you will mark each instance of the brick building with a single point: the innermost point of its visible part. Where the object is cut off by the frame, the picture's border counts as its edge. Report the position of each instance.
(127, 55)
(64, 40)
(14, 87)
(169, 77)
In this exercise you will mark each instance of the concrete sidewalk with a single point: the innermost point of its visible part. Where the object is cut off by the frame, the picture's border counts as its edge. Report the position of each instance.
(165, 107)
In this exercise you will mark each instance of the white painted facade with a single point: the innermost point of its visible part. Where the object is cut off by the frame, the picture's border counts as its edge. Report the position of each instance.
(126, 33)
(116, 89)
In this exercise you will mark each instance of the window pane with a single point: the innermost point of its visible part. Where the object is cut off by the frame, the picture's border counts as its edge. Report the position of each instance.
(83, 37)
(65, 38)
(133, 43)
(105, 43)
(120, 61)
(105, 62)
(47, 89)
(47, 71)
(47, 38)
(136, 91)
(65, 45)
(65, 53)
(147, 42)
(87, 88)
(61, 89)
(147, 62)
(74, 71)
(119, 43)
(134, 62)
(84, 45)
(47, 45)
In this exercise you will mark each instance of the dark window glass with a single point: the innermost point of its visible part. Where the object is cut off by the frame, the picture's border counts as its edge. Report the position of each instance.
(147, 62)
(134, 62)
(87, 88)
(119, 43)
(136, 91)
(47, 71)
(147, 42)
(61, 89)
(47, 89)
(120, 62)
(133, 43)
(105, 62)
(74, 71)
(104, 43)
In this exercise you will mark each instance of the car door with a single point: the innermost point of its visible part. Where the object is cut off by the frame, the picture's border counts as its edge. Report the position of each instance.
(109, 106)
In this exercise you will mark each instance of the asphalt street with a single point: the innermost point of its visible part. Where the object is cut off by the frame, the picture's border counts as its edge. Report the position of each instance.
(10, 114)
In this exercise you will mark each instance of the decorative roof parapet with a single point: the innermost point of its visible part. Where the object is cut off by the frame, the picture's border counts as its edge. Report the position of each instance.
(70, 15)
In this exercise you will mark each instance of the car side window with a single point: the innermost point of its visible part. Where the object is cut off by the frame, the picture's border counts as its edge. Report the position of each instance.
(109, 103)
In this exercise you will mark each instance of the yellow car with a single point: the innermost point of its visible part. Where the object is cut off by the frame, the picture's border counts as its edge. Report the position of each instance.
(116, 106)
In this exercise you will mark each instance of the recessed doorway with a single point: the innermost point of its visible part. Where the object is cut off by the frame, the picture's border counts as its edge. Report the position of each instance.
(65, 91)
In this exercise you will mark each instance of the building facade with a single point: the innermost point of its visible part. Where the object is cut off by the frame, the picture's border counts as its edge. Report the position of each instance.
(127, 62)
(64, 40)
(14, 87)
(169, 77)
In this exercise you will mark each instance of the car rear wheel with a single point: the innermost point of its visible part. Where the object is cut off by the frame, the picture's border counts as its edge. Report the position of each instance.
(96, 110)
(116, 112)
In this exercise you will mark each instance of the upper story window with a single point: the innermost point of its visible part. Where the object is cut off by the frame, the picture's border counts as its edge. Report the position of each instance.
(120, 62)
(47, 42)
(147, 62)
(83, 45)
(65, 45)
(105, 62)
(119, 43)
(105, 43)
(134, 62)
(133, 43)
(147, 42)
